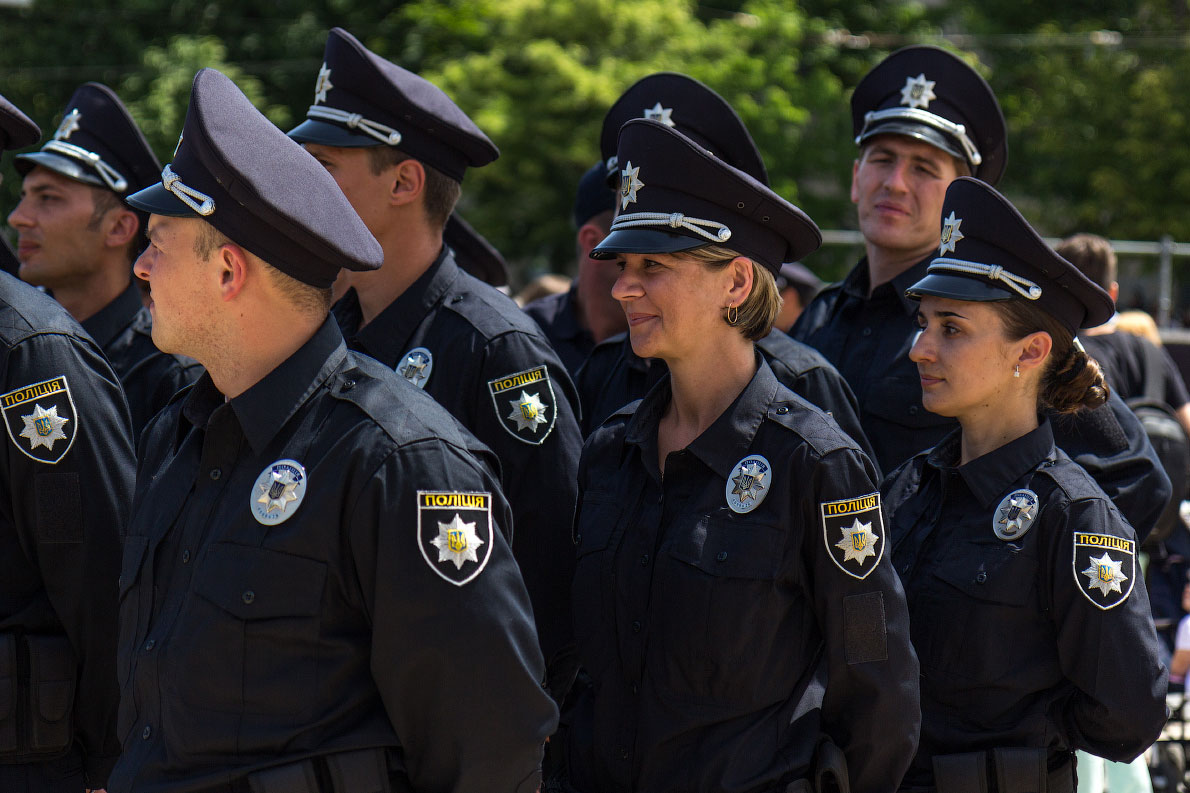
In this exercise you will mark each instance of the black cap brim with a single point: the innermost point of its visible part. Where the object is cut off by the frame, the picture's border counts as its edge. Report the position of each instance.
(643, 241)
(327, 134)
(156, 200)
(959, 287)
(24, 163)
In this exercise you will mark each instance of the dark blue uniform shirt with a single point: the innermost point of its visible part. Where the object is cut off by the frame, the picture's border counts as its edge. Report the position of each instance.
(720, 644)
(492, 368)
(123, 329)
(1022, 643)
(558, 317)
(869, 338)
(614, 375)
(245, 645)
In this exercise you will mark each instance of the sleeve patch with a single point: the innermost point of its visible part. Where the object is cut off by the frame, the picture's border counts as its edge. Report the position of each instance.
(1104, 568)
(853, 531)
(865, 636)
(59, 507)
(40, 419)
(454, 532)
(525, 404)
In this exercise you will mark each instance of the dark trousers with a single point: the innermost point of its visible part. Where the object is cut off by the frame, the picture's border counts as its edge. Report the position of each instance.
(64, 775)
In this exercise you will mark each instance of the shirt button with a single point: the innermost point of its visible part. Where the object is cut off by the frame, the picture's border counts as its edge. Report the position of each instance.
(150, 644)
(146, 732)
(635, 689)
(981, 576)
(216, 473)
(867, 332)
(721, 557)
(636, 626)
(623, 753)
(644, 559)
(186, 556)
(913, 410)
(248, 596)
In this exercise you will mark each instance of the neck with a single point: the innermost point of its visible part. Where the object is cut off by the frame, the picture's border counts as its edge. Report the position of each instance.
(988, 432)
(239, 364)
(409, 250)
(86, 297)
(885, 264)
(704, 385)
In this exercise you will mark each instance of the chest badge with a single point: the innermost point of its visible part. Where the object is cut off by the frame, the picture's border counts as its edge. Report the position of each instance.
(1104, 568)
(853, 530)
(455, 533)
(1015, 515)
(525, 404)
(278, 492)
(416, 366)
(41, 419)
(749, 483)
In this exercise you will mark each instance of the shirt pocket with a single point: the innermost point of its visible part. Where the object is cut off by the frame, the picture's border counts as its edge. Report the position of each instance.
(591, 591)
(129, 615)
(249, 641)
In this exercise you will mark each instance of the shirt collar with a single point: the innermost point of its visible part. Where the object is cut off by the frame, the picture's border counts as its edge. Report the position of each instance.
(106, 323)
(566, 325)
(989, 477)
(858, 280)
(265, 408)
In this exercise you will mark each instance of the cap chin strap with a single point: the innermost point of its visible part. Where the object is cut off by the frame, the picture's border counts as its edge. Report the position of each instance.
(956, 131)
(110, 176)
(374, 129)
(674, 220)
(993, 272)
(201, 203)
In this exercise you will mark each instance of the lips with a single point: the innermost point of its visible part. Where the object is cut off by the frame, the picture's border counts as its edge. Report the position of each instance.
(635, 319)
(890, 208)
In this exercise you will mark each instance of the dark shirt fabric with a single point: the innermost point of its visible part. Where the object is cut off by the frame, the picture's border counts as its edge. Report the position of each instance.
(61, 521)
(614, 375)
(869, 338)
(123, 329)
(244, 646)
(558, 317)
(1129, 362)
(720, 644)
(1017, 647)
(478, 336)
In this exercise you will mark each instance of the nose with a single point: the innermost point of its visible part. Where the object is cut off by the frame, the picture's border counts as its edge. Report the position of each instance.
(894, 178)
(143, 266)
(922, 349)
(17, 218)
(627, 285)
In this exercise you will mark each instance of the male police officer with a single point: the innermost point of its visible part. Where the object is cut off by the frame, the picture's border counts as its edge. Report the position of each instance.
(576, 320)
(78, 239)
(922, 118)
(66, 472)
(398, 147)
(316, 593)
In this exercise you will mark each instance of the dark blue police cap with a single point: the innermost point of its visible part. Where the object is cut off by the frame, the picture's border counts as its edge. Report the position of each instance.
(236, 170)
(360, 99)
(474, 253)
(97, 143)
(675, 195)
(594, 195)
(929, 94)
(990, 252)
(797, 275)
(16, 129)
(684, 104)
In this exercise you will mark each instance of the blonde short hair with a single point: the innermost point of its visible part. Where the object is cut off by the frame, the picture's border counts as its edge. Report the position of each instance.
(760, 308)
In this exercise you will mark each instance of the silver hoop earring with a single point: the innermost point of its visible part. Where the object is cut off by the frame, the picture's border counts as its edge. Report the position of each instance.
(1016, 370)
(733, 315)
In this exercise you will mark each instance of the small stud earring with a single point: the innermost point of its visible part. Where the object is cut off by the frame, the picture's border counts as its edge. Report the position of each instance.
(1016, 370)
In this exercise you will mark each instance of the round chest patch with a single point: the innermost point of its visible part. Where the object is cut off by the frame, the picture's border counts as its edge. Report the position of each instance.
(416, 366)
(1015, 514)
(278, 492)
(749, 483)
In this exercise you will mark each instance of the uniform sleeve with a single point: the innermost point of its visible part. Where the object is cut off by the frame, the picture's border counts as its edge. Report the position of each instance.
(825, 388)
(454, 655)
(70, 475)
(1175, 387)
(1107, 645)
(871, 708)
(524, 413)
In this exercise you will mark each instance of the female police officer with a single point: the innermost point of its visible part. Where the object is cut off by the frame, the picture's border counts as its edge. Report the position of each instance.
(1027, 605)
(733, 600)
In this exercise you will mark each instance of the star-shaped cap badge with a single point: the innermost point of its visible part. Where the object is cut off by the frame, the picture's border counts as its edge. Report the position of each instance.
(630, 184)
(918, 92)
(69, 125)
(323, 85)
(951, 234)
(661, 114)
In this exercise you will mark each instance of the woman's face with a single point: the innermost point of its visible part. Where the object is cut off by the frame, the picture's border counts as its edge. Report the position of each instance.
(673, 304)
(964, 358)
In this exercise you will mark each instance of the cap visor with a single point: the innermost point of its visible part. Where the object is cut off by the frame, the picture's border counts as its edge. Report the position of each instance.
(56, 163)
(957, 287)
(322, 132)
(919, 132)
(643, 241)
(156, 200)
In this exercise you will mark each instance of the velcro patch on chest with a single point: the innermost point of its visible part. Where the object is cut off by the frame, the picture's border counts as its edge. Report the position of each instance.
(853, 531)
(1104, 568)
(454, 532)
(525, 405)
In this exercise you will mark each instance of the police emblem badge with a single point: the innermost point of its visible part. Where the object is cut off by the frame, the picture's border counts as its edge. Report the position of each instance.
(918, 92)
(853, 530)
(950, 234)
(278, 492)
(455, 533)
(660, 114)
(1015, 514)
(416, 365)
(1104, 568)
(69, 126)
(749, 483)
(525, 404)
(323, 85)
(630, 184)
(41, 419)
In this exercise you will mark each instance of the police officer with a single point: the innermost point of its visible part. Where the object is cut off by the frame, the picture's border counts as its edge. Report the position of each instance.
(317, 594)
(1026, 598)
(67, 470)
(78, 239)
(615, 374)
(475, 254)
(575, 320)
(923, 117)
(398, 147)
(767, 517)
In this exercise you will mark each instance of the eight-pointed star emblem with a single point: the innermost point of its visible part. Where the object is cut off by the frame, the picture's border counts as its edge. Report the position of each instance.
(659, 113)
(749, 481)
(528, 411)
(69, 125)
(278, 491)
(918, 92)
(858, 543)
(630, 183)
(950, 234)
(323, 85)
(457, 542)
(1105, 574)
(43, 427)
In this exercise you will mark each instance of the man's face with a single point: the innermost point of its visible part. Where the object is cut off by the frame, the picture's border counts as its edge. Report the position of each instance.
(58, 242)
(368, 192)
(180, 283)
(898, 185)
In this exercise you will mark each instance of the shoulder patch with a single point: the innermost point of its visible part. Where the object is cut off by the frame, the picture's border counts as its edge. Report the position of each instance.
(41, 419)
(1104, 568)
(454, 532)
(853, 530)
(525, 404)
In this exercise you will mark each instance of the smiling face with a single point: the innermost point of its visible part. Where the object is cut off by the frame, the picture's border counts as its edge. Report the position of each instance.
(58, 242)
(898, 185)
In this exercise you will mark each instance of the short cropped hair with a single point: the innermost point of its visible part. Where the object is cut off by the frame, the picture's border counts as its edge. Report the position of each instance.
(441, 192)
(1092, 255)
(307, 298)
